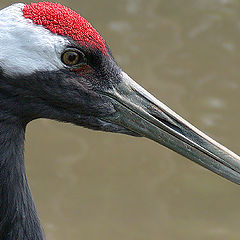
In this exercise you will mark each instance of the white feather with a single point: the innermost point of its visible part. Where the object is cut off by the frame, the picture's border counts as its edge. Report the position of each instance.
(26, 47)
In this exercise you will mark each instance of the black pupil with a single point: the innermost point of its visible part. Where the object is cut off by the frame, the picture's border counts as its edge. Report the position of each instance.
(72, 57)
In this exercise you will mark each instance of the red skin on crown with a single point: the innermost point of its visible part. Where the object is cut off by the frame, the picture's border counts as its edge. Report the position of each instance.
(64, 21)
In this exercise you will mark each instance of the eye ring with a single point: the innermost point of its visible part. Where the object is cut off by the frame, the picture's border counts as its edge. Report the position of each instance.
(73, 57)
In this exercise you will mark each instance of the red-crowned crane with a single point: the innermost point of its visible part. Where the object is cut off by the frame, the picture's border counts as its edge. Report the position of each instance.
(55, 65)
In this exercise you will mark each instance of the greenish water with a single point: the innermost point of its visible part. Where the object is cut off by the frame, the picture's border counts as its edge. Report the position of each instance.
(91, 185)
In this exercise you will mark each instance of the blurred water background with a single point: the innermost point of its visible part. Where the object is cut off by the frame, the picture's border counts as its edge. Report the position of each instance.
(91, 185)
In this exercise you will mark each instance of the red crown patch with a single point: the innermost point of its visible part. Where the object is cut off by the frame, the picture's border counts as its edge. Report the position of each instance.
(64, 21)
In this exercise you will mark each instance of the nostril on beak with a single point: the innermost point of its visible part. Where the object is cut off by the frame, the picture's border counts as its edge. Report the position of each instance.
(168, 124)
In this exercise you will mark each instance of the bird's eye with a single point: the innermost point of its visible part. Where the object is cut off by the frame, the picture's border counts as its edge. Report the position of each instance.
(73, 57)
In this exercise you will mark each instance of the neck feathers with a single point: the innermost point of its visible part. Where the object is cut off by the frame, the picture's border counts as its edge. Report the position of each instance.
(18, 216)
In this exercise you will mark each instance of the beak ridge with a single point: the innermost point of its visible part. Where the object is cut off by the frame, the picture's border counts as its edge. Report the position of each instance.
(140, 112)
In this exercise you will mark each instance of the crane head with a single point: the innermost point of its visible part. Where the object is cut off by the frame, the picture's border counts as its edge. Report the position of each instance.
(54, 64)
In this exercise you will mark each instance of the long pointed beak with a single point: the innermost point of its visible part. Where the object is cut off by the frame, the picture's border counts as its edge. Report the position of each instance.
(141, 113)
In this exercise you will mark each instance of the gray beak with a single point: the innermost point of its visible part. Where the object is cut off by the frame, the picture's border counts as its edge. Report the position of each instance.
(140, 112)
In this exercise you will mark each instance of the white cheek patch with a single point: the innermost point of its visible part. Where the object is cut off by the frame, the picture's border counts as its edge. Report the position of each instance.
(25, 47)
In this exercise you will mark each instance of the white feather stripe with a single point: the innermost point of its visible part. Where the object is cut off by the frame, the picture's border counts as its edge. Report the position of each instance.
(26, 47)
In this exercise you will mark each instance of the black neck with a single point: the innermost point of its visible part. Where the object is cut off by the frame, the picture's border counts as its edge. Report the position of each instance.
(18, 216)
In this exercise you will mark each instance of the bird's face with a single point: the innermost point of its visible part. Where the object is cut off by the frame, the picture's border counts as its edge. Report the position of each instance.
(56, 76)
(55, 65)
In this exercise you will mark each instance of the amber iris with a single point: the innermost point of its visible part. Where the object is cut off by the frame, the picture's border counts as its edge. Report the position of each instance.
(73, 57)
